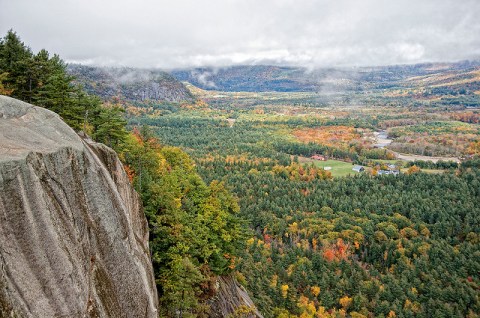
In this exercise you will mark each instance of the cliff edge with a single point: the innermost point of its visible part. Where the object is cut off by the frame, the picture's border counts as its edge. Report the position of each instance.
(73, 237)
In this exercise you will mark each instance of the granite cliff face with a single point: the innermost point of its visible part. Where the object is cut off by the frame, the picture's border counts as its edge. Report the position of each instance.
(73, 237)
(130, 84)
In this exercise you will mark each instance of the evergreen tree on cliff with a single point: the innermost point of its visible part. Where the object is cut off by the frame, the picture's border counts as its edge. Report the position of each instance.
(43, 80)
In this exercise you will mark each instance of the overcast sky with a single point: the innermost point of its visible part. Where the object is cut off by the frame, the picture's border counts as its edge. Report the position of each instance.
(186, 33)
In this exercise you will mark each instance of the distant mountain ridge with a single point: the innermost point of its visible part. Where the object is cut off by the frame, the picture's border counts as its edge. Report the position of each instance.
(249, 78)
(261, 78)
(131, 84)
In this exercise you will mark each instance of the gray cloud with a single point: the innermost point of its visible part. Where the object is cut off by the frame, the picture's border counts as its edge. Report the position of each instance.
(186, 33)
(203, 77)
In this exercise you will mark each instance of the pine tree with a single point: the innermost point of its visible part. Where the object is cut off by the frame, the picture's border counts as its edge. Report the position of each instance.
(109, 126)
(44, 81)
(15, 59)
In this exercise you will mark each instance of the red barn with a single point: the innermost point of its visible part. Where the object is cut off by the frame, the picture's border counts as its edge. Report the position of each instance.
(319, 157)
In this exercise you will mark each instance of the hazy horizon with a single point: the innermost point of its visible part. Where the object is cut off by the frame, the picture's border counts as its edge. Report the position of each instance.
(307, 68)
(307, 33)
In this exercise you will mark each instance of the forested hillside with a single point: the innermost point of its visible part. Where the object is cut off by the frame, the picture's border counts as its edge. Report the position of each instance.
(384, 246)
(332, 244)
(259, 78)
(195, 232)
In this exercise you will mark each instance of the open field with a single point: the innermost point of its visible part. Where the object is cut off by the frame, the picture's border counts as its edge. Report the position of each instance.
(429, 171)
(339, 168)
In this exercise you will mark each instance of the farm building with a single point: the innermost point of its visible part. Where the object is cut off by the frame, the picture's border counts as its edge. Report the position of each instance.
(385, 172)
(318, 157)
(358, 168)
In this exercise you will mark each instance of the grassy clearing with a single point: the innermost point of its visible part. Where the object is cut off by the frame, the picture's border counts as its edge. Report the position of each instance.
(339, 168)
(430, 171)
(394, 161)
(397, 162)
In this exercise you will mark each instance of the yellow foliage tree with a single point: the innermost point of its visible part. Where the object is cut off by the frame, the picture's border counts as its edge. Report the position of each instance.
(273, 282)
(307, 307)
(284, 290)
(391, 314)
(322, 312)
(345, 302)
(4, 90)
(413, 169)
(315, 290)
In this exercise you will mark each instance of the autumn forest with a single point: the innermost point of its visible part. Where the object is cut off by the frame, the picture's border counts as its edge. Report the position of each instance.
(363, 202)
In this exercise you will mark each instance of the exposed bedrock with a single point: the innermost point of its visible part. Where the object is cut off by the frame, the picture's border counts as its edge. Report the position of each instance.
(73, 236)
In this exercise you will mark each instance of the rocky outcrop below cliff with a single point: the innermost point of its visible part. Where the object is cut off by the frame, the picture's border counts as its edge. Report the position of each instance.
(232, 300)
(73, 237)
